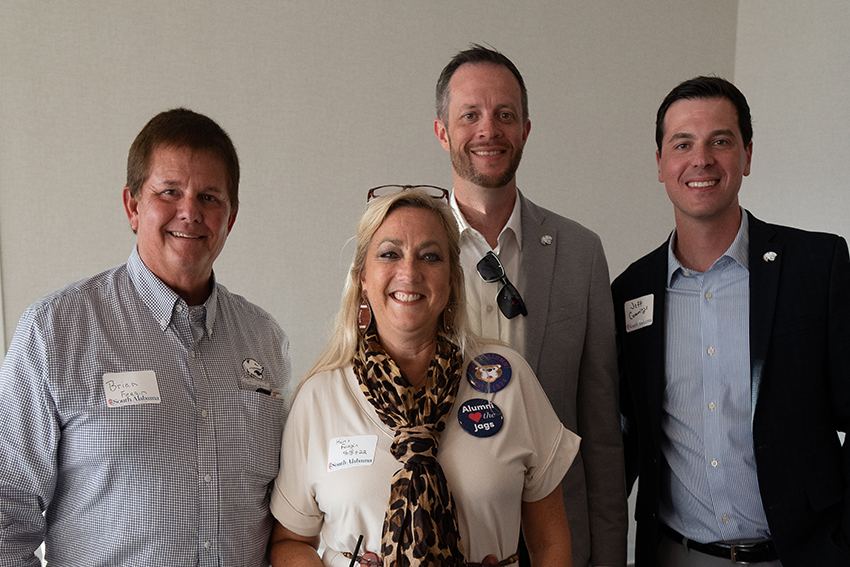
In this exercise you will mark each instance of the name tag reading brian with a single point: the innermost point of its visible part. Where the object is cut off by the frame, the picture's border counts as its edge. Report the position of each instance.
(352, 451)
(130, 388)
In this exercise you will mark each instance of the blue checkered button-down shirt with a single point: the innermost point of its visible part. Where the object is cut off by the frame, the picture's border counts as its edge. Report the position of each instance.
(130, 475)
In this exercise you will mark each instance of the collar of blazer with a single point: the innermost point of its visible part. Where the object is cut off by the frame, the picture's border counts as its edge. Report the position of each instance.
(538, 266)
(765, 266)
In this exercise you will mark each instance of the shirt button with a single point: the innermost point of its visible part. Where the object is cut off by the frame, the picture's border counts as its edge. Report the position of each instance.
(711, 406)
(207, 544)
(725, 518)
(489, 309)
(179, 308)
(708, 295)
(193, 354)
(686, 273)
(714, 462)
(710, 350)
(207, 478)
(204, 412)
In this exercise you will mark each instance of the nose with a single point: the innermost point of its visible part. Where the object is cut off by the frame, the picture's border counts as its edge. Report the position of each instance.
(702, 156)
(189, 209)
(408, 270)
(489, 127)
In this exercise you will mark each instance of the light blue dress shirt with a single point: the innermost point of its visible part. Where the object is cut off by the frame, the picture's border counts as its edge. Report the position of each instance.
(176, 478)
(709, 488)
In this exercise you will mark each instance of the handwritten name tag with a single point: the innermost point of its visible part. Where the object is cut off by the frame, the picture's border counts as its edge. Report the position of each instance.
(130, 388)
(639, 313)
(353, 451)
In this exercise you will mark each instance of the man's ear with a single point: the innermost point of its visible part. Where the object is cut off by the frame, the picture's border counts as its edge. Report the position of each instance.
(131, 206)
(442, 133)
(749, 152)
(658, 163)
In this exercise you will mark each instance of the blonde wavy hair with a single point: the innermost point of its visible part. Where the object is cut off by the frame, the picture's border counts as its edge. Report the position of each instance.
(345, 337)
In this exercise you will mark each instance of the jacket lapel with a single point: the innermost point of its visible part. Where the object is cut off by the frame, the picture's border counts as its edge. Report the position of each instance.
(765, 266)
(538, 266)
(653, 340)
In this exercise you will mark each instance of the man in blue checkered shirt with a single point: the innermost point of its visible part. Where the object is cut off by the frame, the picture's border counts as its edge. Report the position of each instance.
(142, 411)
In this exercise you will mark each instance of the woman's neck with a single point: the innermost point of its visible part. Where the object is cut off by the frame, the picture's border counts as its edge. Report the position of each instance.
(413, 358)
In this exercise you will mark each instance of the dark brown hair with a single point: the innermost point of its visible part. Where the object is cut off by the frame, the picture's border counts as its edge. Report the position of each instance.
(182, 128)
(707, 87)
(475, 55)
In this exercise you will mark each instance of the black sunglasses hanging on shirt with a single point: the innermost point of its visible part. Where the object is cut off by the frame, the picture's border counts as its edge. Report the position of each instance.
(509, 300)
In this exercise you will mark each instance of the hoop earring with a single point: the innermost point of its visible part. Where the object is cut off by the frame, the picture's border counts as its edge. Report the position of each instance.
(364, 314)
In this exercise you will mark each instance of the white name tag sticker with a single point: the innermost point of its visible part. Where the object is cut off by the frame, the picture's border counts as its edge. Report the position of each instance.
(352, 451)
(130, 388)
(639, 312)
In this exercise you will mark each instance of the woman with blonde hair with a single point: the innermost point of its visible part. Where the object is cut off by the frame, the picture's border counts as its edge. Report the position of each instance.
(411, 442)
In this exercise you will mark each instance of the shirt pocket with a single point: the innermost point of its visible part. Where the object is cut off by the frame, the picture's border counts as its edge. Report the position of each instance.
(262, 431)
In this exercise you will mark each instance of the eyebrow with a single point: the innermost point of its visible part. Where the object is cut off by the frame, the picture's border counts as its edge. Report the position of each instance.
(398, 242)
(501, 106)
(175, 184)
(713, 134)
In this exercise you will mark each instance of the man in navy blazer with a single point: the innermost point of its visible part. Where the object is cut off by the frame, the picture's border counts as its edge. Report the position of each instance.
(734, 353)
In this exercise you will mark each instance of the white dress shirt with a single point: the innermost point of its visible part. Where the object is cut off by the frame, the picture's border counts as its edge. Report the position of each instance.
(484, 315)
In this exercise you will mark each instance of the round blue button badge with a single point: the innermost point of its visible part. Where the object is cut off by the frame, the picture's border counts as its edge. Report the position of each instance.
(489, 373)
(480, 418)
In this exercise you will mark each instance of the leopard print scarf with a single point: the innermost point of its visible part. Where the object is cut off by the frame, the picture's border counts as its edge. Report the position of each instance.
(420, 526)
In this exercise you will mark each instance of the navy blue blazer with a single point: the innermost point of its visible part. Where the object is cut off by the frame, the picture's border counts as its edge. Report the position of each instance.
(800, 378)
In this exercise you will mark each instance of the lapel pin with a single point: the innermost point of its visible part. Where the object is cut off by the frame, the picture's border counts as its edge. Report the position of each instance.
(546, 240)
(769, 256)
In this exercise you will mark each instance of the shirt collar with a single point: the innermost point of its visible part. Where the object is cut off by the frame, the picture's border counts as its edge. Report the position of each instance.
(737, 251)
(514, 223)
(161, 299)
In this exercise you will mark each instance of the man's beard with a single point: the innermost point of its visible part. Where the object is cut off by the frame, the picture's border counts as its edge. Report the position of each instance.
(462, 164)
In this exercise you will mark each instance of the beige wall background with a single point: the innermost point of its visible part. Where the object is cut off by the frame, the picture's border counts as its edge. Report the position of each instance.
(325, 99)
(794, 67)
